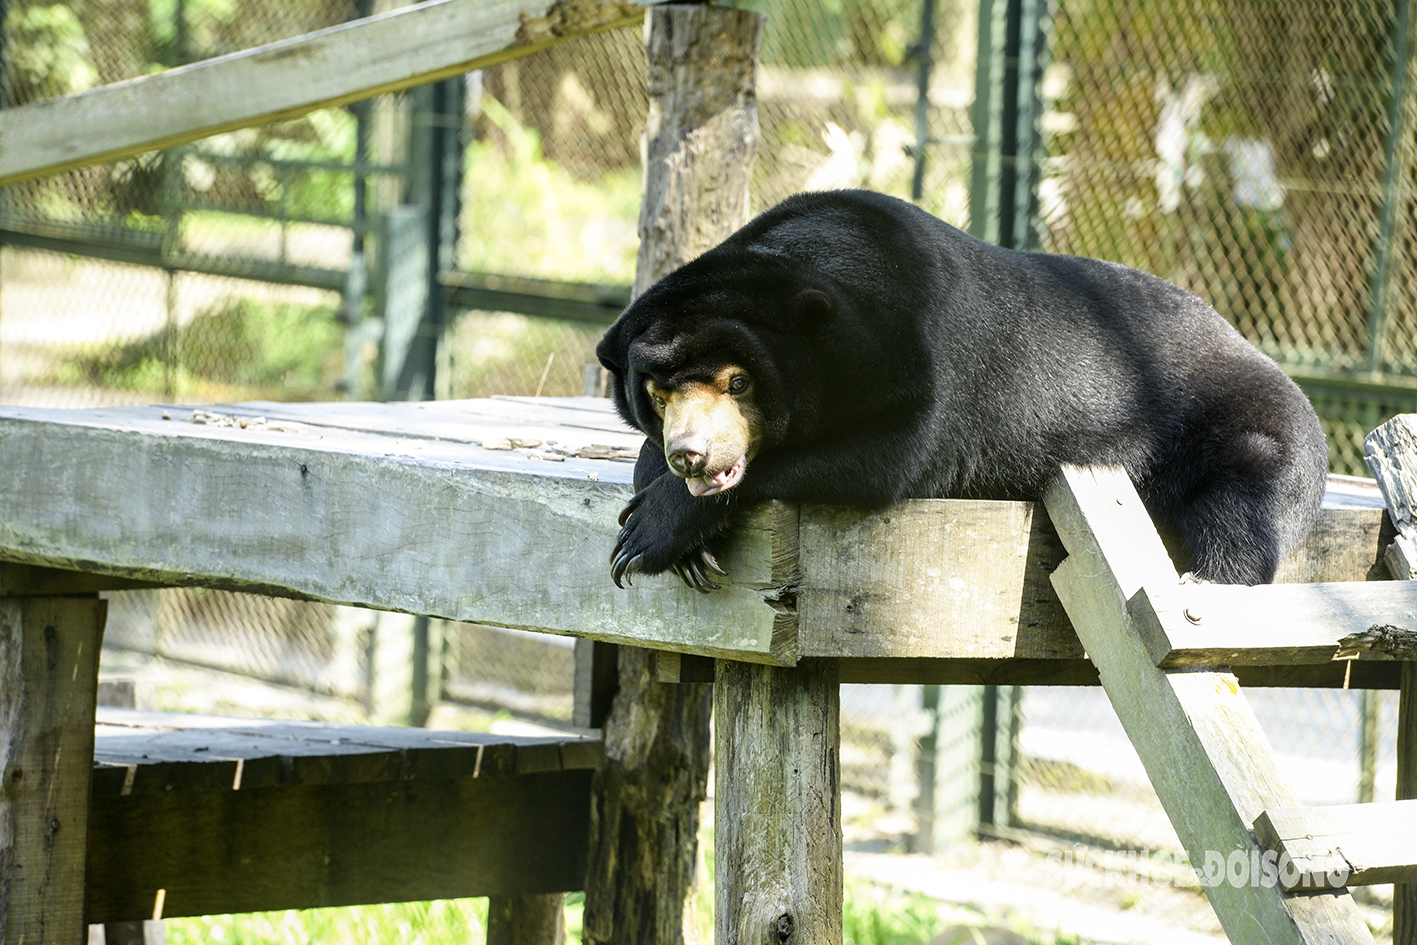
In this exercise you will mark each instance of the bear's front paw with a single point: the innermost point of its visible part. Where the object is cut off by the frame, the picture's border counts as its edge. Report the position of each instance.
(648, 544)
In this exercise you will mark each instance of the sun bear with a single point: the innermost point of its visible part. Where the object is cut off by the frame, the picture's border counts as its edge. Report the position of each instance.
(849, 348)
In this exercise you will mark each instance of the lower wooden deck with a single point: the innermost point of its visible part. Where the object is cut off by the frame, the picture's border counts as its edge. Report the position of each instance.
(204, 815)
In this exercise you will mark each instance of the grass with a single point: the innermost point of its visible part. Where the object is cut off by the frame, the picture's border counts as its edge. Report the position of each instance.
(408, 923)
(873, 915)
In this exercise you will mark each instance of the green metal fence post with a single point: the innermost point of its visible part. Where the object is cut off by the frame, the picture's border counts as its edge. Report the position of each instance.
(1398, 156)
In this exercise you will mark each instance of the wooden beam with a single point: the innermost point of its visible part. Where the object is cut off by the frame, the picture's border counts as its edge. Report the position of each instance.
(1223, 625)
(299, 846)
(235, 815)
(1197, 736)
(48, 688)
(1390, 452)
(924, 671)
(1342, 845)
(968, 579)
(398, 507)
(373, 56)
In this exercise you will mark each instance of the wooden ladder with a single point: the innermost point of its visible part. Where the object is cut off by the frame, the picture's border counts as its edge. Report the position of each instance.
(1163, 651)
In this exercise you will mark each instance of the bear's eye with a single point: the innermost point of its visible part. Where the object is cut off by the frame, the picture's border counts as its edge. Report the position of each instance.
(738, 384)
(658, 402)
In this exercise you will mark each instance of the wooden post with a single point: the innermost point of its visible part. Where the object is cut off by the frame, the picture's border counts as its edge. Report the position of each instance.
(1404, 896)
(48, 687)
(1391, 454)
(526, 920)
(390, 697)
(777, 827)
(700, 141)
(701, 134)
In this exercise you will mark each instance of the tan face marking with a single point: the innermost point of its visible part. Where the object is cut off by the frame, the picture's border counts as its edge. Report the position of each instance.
(711, 428)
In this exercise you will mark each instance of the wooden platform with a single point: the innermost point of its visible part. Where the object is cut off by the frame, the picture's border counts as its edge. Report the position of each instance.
(235, 815)
(405, 507)
(504, 511)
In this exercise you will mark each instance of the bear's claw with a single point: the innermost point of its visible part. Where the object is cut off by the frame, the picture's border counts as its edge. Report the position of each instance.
(694, 567)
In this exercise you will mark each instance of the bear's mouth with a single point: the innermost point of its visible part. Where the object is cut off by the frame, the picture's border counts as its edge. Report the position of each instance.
(720, 481)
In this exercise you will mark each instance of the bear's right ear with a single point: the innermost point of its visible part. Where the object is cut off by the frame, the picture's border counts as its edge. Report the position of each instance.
(810, 308)
(610, 352)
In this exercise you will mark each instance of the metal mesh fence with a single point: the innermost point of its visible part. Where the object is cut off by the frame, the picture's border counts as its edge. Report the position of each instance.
(1259, 153)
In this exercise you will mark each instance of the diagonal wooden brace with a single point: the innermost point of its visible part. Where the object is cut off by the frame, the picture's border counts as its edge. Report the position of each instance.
(1202, 747)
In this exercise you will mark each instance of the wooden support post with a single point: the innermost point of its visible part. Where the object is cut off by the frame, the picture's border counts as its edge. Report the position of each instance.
(390, 697)
(1404, 898)
(777, 799)
(1391, 454)
(48, 685)
(1200, 742)
(594, 683)
(526, 920)
(700, 141)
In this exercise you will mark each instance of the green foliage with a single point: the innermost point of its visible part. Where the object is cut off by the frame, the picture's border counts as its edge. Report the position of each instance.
(50, 53)
(876, 915)
(856, 32)
(201, 17)
(535, 218)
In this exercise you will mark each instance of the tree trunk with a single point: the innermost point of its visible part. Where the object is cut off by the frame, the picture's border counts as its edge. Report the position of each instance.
(700, 140)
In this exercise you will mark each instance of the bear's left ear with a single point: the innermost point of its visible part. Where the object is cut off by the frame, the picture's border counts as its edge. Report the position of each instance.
(811, 307)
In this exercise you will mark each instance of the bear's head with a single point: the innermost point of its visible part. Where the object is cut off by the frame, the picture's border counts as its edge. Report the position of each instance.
(715, 363)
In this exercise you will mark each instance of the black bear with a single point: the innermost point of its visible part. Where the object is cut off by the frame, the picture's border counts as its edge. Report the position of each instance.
(849, 348)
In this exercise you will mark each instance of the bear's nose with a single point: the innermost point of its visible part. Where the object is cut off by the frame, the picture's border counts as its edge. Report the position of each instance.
(688, 454)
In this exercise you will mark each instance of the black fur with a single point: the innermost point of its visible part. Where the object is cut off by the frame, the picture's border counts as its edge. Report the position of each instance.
(895, 357)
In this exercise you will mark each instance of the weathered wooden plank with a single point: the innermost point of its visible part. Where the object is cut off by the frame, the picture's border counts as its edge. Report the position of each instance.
(778, 800)
(339, 519)
(1341, 845)
(931, 578)
(967, 579)
(380, 54)
(170, 752)
(1218, 625)
(398, 507)
(467, 421)
(48, 684)
(305, 846)
(1390, 452)
(1198, 738)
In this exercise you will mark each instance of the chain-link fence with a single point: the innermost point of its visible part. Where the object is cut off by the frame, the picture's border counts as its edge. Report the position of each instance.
(1260, 154)
(1257, 152)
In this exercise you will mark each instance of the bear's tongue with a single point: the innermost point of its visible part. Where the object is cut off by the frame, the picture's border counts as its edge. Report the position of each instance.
(719, 482)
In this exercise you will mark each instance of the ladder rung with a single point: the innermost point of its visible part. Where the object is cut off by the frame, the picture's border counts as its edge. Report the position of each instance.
(1342, 845)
